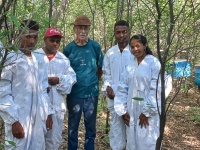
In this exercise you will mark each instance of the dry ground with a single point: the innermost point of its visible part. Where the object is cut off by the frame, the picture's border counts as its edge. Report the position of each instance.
(182, 131)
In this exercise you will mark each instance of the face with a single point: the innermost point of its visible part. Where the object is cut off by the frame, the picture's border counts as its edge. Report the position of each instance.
(52, 44)
(81, 32)
(138, 49)
(28, 40)
(122, 34)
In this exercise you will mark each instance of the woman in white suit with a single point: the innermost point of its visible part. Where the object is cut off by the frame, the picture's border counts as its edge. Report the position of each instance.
(136, 99)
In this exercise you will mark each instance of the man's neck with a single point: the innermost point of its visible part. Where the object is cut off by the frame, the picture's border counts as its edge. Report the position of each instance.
(26, 52)
(48, 53)
(81, 42)
(122, 46)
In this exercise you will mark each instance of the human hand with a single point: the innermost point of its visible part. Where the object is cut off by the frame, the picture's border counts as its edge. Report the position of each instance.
(49, 122)
(143, 120)
(110, 92)
(53, 80)
(48, 89)
(126, 118)
(17, 130)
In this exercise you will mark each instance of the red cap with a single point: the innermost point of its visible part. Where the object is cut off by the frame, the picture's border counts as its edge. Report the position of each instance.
(53, 32)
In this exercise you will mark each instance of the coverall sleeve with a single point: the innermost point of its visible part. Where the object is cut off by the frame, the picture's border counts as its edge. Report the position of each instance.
(150, 107)
(107, 78)
(8, 108)
(67, 80)
(168, 84)
(44, 81)
(120, 99)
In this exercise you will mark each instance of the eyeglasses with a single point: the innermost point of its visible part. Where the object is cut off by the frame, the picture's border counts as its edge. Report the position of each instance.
(81, 28)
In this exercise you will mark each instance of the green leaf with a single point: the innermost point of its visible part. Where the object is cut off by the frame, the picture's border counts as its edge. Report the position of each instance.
(14, 19)
(138, 98)
(4, 33)
(11, 142)
(12, 48)
(1, 146)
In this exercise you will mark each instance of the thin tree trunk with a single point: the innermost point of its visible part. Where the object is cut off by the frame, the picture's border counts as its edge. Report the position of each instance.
(50, 11)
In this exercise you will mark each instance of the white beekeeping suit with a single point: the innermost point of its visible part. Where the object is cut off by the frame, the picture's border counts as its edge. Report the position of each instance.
(140, 81)
(113, 64)
(59, 67)
(23, 99)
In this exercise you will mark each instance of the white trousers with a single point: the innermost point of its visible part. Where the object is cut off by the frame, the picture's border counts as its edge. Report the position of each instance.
(54, 136)
(117, 133)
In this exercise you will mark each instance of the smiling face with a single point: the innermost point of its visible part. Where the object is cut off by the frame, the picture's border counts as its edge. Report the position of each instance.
(138, 49)
(52, 44)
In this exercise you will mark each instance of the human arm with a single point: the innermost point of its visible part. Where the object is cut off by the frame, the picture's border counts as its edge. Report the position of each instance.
(17, 130)
(49, 122)
(168, 84)
(8, 108)
(153, 90)
(126, 118)
(143, 120)
(107, 78)
(67, 78)
(99, 73)
(110, 92)
(120, 100)
(99, 62)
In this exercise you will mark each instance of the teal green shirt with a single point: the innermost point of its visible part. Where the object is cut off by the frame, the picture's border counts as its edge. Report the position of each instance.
(85, 60)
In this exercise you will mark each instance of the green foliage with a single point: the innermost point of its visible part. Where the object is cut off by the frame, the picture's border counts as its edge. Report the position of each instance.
(195, 114)
(106, 138)
(4, 33)
(15, 20)
(11, 143)
(138, 98)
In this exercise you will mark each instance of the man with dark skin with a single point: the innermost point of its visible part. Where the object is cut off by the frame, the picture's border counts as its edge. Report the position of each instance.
(27, 110)
(115, 59)
(61, 78)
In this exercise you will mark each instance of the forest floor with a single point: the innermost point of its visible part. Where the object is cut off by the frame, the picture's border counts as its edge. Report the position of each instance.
(182, 131)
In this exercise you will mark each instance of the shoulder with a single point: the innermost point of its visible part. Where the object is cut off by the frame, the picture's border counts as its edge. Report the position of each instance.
(72, 43)
(94, 43)
(61, 55)
(14, 56)
(111, 50)
(69, 46)
(153, 61)
(38, 51)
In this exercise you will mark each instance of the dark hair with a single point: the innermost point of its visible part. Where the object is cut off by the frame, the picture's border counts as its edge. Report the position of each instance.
(30, 24)
(142, 40)
(121, 23)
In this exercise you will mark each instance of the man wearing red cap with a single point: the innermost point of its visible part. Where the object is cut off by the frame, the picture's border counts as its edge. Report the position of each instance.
(86, 59)
(61, 78)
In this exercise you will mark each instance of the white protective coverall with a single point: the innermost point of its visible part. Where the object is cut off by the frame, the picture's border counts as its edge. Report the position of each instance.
(23, 99)
(113, 64)
(140, 81)
(59, 67)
